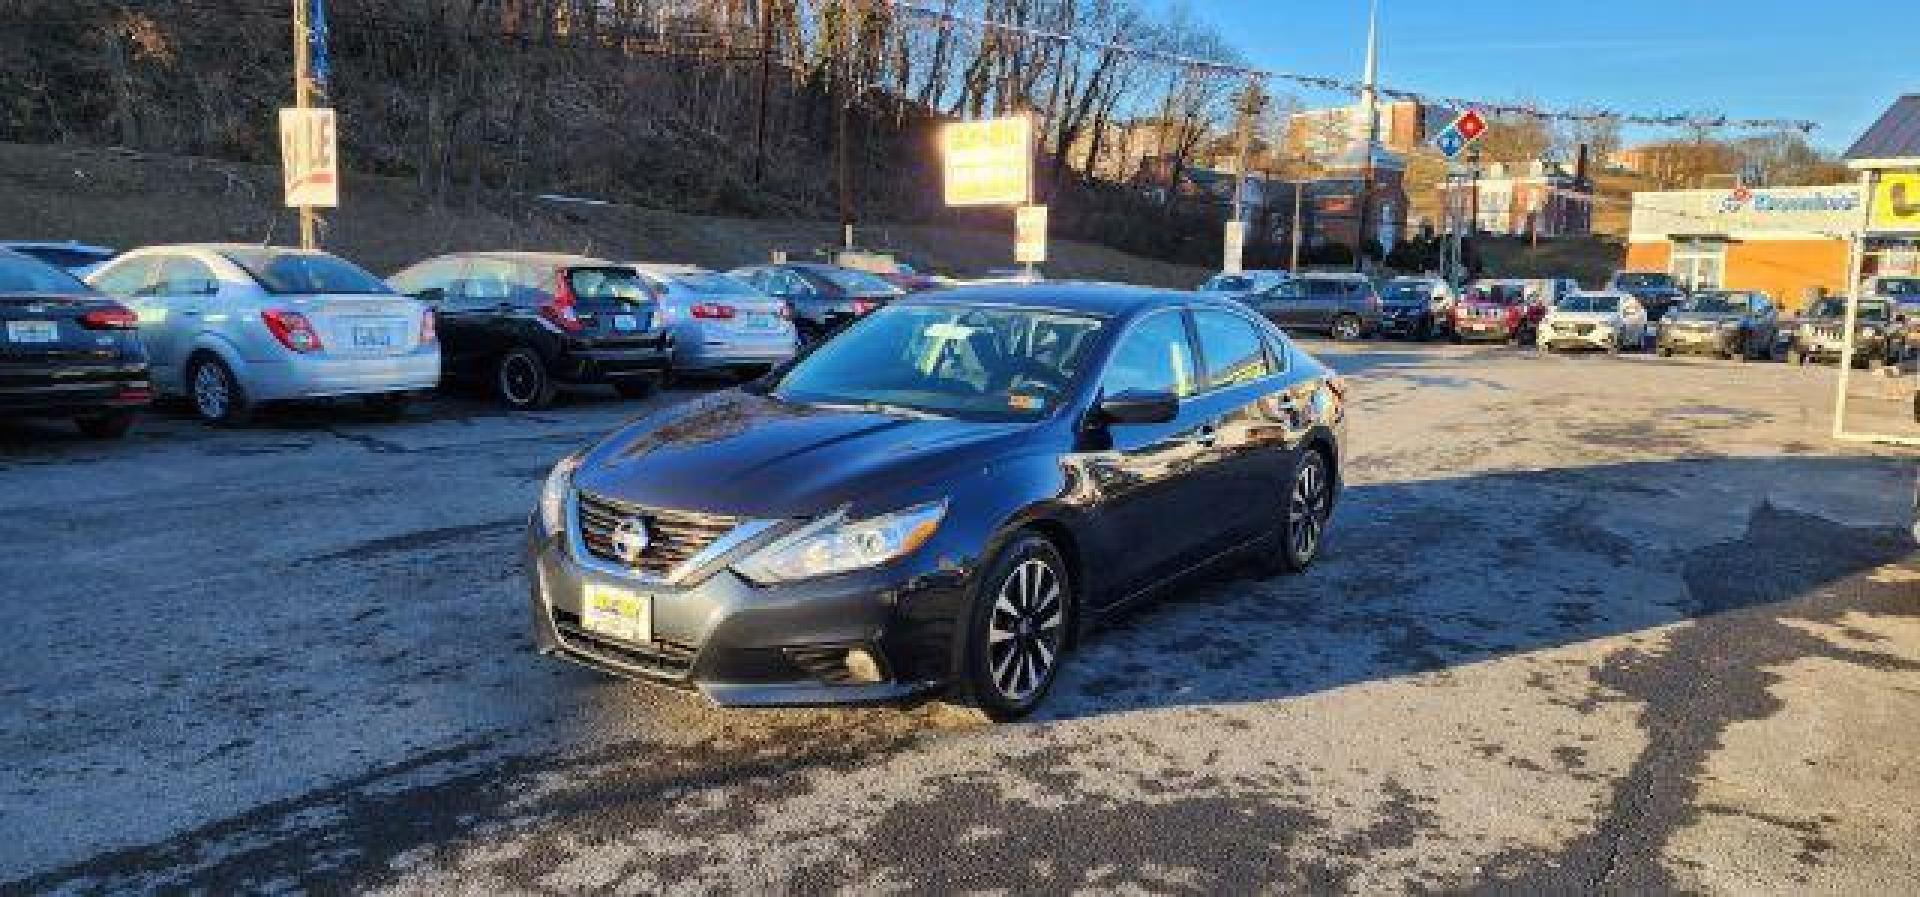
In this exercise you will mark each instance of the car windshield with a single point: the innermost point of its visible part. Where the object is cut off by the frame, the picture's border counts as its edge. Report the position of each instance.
(857, 281)
(301, 272)
(947, 360)
(1907, 288)
(1228, 283)
(712, 284)
(1497, 293)
(1644, 281)
(1837, 308)
(1589, 303)
(1715, 303)
(19, 275)
(1408, 291)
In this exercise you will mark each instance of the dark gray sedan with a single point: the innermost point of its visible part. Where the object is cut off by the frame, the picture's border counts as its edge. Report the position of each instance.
(1726, 323)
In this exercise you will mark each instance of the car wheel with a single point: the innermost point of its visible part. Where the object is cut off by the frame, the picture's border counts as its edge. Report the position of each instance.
(389, 406)
(522, 382)
(112, 425)
(1019, 629)
(1305, 510)
(1346, 327)
(636, 387)
(1795, 356)
(1663, 352)
(218, 397)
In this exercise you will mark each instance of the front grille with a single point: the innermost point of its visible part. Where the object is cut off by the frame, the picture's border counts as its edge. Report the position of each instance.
(674, 536)
(659, 656)
(1573, 328)
(1828, 334)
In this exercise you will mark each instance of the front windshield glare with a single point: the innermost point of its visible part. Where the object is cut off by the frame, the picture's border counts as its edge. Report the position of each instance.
(1590, 303)
(993, 364)
(1713, 305)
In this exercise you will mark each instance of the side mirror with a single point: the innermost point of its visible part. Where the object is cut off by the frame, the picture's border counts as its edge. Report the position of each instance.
(1140, 407)
(432, 295)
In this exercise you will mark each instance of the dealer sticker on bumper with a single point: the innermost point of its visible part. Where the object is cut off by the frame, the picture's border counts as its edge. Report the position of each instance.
(617, 613)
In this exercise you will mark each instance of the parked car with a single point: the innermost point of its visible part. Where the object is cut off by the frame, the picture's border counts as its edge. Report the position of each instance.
(1904, 293)
(1606, 321)
(909, 279)
(1244, 284)
(68, 352)
(75, 258)
(1728, 323)
(1417, 307)
(720, 322)
(937, 498)
(1344, 306)
(235, 327)
(1818, 336)
(823, 297)
(526, 324)
(1656, 290)
(1497, 310)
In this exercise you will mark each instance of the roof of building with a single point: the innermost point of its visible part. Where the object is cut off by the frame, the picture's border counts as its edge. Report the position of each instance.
(1896, 135)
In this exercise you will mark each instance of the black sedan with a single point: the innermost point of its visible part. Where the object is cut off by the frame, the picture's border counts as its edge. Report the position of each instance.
(940, 497)
(67, 351)
(823, 297)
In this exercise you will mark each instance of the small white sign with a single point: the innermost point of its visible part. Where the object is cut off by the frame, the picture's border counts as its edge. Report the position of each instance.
(1236, 244)
(308, 158)
(1030, 238)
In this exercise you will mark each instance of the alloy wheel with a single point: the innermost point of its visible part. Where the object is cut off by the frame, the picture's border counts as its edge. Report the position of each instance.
(211, 394)
(518, 380)
(1026, 629)
(1346, 328)
(1307, 508)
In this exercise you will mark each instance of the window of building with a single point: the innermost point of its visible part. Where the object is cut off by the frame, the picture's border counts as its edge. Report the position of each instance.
(1700, 264)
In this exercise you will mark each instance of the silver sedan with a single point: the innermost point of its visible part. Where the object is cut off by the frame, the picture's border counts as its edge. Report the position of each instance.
(720, 323)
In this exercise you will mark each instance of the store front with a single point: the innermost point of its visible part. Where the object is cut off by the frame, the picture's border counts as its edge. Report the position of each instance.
(1788, 242)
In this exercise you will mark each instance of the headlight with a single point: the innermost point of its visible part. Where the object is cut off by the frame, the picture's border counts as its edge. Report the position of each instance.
(553, 496)
(835, 544)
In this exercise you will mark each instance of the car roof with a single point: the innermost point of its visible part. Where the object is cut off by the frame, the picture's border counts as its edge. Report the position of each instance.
(73, 245)
(544, 259)
(1100, 299)
(670, 269)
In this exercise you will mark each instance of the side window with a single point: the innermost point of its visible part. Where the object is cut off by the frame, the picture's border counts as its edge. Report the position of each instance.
(183, 277)
(1155, 356)
(486, 282)
(438, 275)
(125, 278)
(1231, 348)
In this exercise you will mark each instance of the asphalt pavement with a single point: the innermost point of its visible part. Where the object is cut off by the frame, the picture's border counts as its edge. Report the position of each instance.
(1585, 625)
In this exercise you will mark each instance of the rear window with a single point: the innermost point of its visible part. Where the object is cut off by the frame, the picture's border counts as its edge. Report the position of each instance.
(607, 283)
(1409, 291)
(22, 275)
(856, 281)
(301, 272)
(1228, 283)
(712, 284)
(65, 256)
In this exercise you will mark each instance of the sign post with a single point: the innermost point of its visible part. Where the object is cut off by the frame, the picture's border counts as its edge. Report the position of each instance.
(1454, 139)
(1030, 237)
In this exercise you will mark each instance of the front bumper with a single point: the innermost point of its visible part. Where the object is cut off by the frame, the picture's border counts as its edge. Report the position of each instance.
(1823, 350)
(303, 377)
(1483, 329)
(1405, 324)
(1595, 338)
(742, 645)
(1709, 342)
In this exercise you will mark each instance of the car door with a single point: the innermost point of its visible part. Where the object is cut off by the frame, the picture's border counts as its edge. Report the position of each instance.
(1148, 517)
(1315, 309)
(1277, 303)
(1765, 324)
(182, 288)
(1239, 479)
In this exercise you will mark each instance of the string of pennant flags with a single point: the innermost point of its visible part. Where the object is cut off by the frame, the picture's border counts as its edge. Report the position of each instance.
(947, 19)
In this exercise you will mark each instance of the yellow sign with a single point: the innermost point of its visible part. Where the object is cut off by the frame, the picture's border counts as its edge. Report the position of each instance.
(1030, 235)
(988, 163)
(1896, 202)
(308, 158)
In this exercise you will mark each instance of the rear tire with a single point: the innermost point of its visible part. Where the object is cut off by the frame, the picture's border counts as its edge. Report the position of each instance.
(218, 398)
(112, 425)
(1019, 628)
(521, 381)
(1347, 328)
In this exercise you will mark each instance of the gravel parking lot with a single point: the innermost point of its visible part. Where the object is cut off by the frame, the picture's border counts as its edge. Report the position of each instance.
(1587, 624)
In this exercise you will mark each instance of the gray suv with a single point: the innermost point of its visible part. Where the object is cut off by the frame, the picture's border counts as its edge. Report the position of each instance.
(1344, 306)
(1730, 324)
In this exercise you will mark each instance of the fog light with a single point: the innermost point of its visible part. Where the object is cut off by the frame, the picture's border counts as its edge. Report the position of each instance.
(861, 667)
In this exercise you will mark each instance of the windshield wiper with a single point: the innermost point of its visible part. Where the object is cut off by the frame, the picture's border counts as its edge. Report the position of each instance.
(883, 408)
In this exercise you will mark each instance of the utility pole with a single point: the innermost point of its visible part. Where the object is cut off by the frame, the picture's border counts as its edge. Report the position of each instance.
(1370, 107)
(763, 8)
(303, 99)
(1299, 200)
(843, 156)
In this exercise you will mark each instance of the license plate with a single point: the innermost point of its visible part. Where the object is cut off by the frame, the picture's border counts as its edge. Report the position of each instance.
(762, 322)
(370, 337)
(33, 331)
(626, 323)
(618, 613)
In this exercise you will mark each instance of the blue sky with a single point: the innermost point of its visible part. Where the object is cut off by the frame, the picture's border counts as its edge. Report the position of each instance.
(1835, 62)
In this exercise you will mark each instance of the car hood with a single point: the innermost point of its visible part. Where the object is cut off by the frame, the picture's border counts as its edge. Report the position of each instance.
(1595, 317)
(1704, 316)
(750, 455)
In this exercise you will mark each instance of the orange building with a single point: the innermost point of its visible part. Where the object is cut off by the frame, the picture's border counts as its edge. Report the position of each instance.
(1789, 242)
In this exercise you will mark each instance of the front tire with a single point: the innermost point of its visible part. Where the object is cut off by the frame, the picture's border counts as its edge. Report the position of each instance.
(1306, 508)
(1018, 629)
(1346, 328)
(521, 381)
(218, 398)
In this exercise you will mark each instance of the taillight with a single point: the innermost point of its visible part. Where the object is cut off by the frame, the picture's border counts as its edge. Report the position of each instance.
(785, 312)
(292, 329)
(429, 328)
(559, 311)
(863, 306)
(112, 317)
(713, 310)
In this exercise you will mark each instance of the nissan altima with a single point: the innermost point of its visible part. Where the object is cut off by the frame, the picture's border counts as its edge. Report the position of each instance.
(941, 499)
